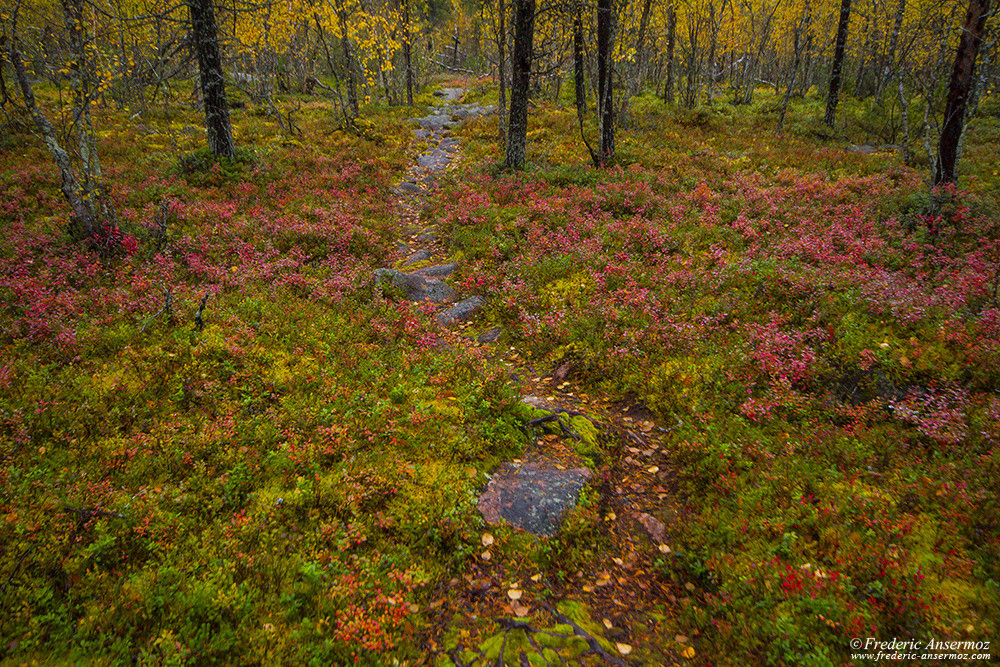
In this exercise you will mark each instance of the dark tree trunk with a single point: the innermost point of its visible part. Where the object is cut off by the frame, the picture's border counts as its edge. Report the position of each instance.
(668, 88)
(579, 76)
(407, 52)
(838, 63)
(605, 71)
(517, 129)
(502, 78)
(213, 86)
(959, 90)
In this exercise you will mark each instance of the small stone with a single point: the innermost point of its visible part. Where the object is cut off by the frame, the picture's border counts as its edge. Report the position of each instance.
(653, 526)
(462, 310)
(490, 335)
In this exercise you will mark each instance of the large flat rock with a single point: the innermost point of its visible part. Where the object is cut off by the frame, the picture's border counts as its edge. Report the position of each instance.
(534, 497)
(417, 288)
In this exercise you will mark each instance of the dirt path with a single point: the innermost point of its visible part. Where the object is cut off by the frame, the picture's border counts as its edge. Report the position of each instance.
(603, 594)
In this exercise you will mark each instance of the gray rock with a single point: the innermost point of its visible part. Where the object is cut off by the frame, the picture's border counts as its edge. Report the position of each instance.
(435, 161)
(419, 256)
(438, 271)
(427, 237)
(407, 187)
(532, 496)
(490, 335)
(462, 310)
(416, 288)
(434, 123)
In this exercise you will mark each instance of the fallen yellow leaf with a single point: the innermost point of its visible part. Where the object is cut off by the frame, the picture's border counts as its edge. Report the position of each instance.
(514, 594)
(487, 539)
(688, 652)
(624, 649)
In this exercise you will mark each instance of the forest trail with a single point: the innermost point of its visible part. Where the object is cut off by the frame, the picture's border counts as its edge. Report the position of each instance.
(613, 602)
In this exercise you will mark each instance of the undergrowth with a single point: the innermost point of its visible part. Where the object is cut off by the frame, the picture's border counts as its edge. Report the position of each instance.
(288, 481)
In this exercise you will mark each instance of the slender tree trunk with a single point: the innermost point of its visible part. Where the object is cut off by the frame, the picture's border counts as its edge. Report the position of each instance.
(838, 63)
(799, 40)
(807, 70)
(517, 132)
(345, 46)
(904, 105)
(84, 218)
(693, 64)
(640, 48)
(890, 58)
(959, 91)
(407, 52)
(579, 75)
(605, 81)
(668, 88)
(213, 86)
(502, 67)
(712, 46)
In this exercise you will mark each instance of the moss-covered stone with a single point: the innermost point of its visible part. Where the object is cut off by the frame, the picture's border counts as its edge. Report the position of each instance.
(583, 432)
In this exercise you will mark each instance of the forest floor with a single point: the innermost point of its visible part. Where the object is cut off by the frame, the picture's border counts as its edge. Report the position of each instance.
(772, 355)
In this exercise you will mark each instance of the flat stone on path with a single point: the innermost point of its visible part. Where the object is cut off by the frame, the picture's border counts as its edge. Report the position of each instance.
(462, 310)
(419, 256)
(532, 496)
(409, 187)
(438, 270)
(417, 288)
(435, 161)
(490, 335)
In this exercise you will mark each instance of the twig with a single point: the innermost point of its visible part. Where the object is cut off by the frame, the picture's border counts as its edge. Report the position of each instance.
(199, 322)
(168, 304)
(595, 646)
(161, 224)
(453, 69)
(542, 420)
(85, 513)
(17, 568)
